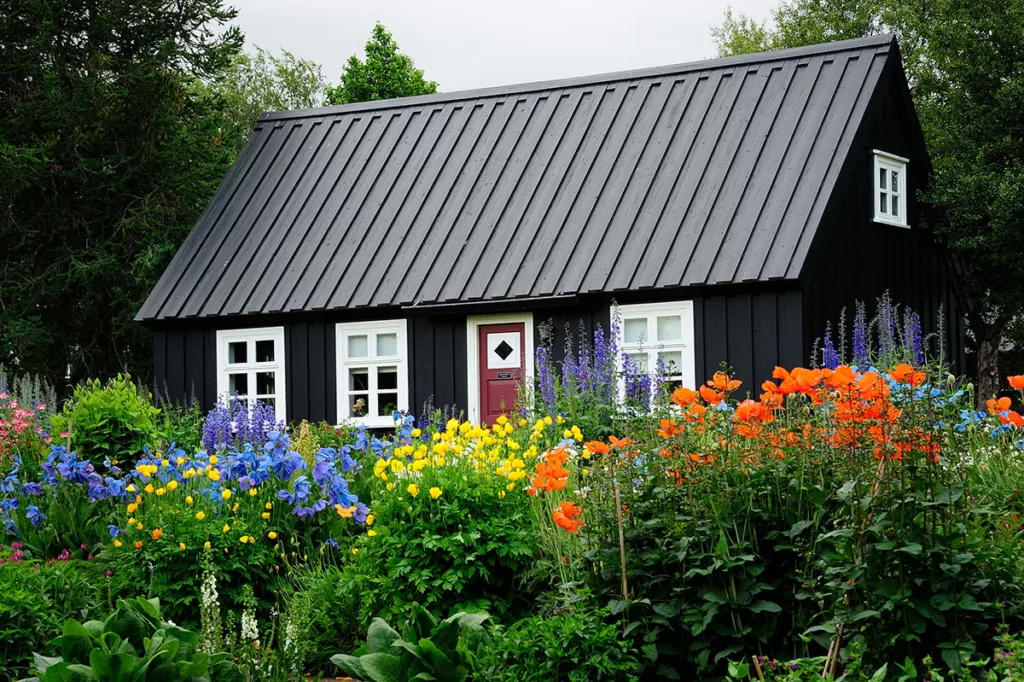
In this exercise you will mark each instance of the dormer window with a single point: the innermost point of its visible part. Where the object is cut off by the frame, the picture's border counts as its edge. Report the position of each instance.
(890, 189)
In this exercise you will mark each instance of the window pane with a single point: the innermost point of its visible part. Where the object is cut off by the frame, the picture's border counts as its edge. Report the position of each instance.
(271, 402)
(358, 347)
(881, 179)
(883, 203)
(387, 403)
(237, 352)
(265, 351)
(638, 361)
(670, 328)
(265, 383)
(387, 378)
(895, 181)
(896, 207)
(673, 362)
(357, 405)
(358, 379)
(635, 330)
(238, 384)
(387, 344)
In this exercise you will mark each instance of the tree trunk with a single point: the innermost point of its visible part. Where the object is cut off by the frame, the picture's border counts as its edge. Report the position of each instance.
(989, 338)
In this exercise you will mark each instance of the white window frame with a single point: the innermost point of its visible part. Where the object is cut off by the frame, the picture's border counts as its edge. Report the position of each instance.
(371, 329)
(473, 324)
(894, 196)
(251, 367)
(652, 347)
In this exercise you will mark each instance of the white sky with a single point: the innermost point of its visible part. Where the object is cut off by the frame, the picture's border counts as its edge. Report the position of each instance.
(465, 44)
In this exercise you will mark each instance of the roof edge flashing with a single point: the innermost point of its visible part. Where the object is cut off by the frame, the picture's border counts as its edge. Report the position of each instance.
(881, 40)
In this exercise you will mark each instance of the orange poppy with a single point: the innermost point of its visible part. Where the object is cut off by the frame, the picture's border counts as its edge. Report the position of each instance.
(1016, 382)
(996, 406)
(620, 442)
(683, 396)
(710, 395)
(906, 374)
(596, 447)
(722, 382)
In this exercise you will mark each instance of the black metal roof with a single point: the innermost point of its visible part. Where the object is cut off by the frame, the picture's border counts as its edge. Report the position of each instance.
(711, 172)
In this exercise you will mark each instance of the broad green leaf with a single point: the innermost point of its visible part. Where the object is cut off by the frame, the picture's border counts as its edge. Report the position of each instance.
(762, 605)
(913, 548)
(381, 668)
(879, 675)
(379, 636)
(350, 665)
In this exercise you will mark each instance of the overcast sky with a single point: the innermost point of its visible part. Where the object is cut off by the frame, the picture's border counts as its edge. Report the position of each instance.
(465, 44)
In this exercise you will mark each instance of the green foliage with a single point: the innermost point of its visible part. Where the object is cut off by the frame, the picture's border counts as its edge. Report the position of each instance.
(962, 61)
(426, 649)
(107, 158)
(35, 599)
(329, 599)
(109, 421)
(258, 82)
(181, 425)
(468, 548)
(133, 644)
(575, 646)
(386, 74)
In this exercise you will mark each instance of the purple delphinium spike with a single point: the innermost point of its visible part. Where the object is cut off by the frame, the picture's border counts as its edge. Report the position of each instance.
(913, 340)
(545, 379)
(831, 358)
(860, 336)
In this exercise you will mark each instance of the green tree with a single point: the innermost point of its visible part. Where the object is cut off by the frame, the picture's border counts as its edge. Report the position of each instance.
(965, 64)
(107, 158)
(259, 82)
(386, 74)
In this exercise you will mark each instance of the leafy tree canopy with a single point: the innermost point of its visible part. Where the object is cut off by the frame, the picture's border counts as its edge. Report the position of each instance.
(385, 74)
(965, 64)
(259, 82)
(107, 157)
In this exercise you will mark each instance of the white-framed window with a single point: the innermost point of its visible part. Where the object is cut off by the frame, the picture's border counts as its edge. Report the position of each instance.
(373, 371)
(890, 183)
(650, 333)
(250, 367)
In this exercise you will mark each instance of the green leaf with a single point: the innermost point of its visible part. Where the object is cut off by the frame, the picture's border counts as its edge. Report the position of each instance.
(762, 605)
(350, 665)
(41, 663)
(913, 548)
(379, 636)
(75, 643)
(879, 675)
(381, 667)
(739, 671)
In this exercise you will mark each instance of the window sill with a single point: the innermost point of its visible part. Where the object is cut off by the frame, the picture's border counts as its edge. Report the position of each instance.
(891, 223)
(370, 422)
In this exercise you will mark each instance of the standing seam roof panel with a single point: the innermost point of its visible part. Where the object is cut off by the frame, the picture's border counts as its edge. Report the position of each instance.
(706, 173)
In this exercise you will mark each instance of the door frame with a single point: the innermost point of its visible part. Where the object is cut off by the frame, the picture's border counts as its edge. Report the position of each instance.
(473, 324)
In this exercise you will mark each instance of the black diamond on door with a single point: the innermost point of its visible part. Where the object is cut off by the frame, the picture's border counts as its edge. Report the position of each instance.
(503, 350)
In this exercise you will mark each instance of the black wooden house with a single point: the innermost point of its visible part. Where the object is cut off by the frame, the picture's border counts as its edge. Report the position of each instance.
(370, 255)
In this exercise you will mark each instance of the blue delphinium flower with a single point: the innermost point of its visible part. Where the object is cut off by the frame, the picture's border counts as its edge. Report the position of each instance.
(113, 530)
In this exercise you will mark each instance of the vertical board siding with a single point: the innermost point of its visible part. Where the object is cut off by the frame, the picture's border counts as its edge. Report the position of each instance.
(854, 258)
(437, 353)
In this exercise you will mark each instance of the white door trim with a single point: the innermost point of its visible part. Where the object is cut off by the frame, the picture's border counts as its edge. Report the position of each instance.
(473, 323)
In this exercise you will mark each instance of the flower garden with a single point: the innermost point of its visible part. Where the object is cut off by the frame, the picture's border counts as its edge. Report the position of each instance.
(859, 520)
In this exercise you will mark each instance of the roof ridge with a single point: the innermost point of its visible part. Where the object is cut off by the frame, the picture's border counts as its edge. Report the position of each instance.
(576, 81)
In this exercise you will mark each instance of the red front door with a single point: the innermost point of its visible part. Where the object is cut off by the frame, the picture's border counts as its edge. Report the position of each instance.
(502, 359)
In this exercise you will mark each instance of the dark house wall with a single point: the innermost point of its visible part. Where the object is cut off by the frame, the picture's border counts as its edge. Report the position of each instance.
(751, 331)
(854, 258)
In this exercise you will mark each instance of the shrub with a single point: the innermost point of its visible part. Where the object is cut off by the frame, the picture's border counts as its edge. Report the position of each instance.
(35, 599)
(111, 422)
(573, 646)
(132, 643)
